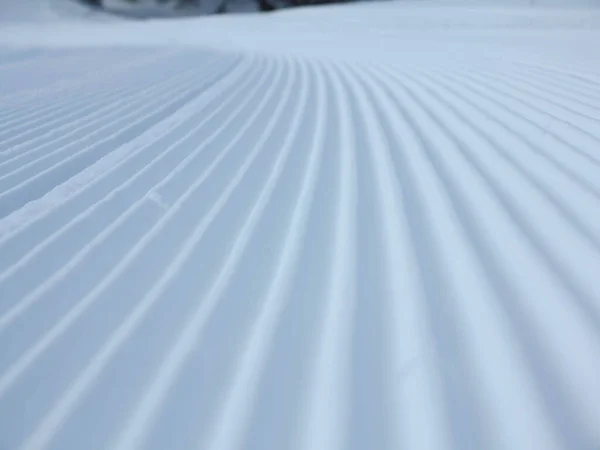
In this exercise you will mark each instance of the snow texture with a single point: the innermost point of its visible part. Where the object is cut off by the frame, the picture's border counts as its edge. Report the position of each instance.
(362, 227)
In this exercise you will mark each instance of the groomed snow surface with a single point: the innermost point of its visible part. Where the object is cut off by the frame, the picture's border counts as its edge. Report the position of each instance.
(368, 227)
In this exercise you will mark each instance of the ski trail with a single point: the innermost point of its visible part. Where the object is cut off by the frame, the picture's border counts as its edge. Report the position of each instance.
(559, 183)
(34, 187)
(569, 82)
(419, 420)
(573, 160)
(33, 150)
(439, 243)
(482, 317)
(38, 130)
(325, 421)
(72, 96)
(355, 227)
(51, 157)
(29, 357)
(124, 187)
(564, 415)
(134, 433)
(51, 423)
(544, 179)
(36, 214)
(557, 86)
(232, 420)
(529, 112)
(9, 280)
(556, 103)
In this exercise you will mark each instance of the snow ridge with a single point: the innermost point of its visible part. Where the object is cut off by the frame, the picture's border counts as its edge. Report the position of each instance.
(307, 249)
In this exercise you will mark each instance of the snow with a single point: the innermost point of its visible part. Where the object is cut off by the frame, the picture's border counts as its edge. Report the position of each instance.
(368, 226)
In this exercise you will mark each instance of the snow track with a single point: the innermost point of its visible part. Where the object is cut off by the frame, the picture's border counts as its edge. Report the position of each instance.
(295, 249)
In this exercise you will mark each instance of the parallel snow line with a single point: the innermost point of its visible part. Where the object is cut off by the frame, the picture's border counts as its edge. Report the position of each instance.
(23, 118)
(31, 181)
(26, 132)
(139, 199)
(121, 215)
(568, 118)
(23, 160)
(439, 245)
(572, 66)
(142, 156)
(186, 171)
(80, 308)
(511, 92)
(53, 413)
(134, 433)
(52, 152)
(191, 336)
(29, 97)
(529, 111)
(549, 190)
(577, 155)
(24, 108)
(569, 86)
(581, 288)
(585, 74)
(33, 132)
(574, 79)
(78, 94)
(521, 393)
(571, 431)
(324, 424)
(476, 318)
(31, 151)
(567, 416)
(581, 284)
(577, 78)
(418, 419)
(146, 156)
(552, 92)
(52, 203)
(374, 420)
(94, 294)
(553, 82)
(35, 187)
(233, 416)
(103, 208)
(65, 125)
(534, 101)
(79, 106)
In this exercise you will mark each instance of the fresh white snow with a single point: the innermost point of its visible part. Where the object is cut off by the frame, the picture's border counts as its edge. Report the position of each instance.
(367, 226)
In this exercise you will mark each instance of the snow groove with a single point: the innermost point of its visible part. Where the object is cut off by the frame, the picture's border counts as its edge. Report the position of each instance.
(68, 124)
(42, 99)
(51, 123)
(232, 421)
(281, 246)
(52, 150)
(573, 433)
(132, 189)
(81, 306)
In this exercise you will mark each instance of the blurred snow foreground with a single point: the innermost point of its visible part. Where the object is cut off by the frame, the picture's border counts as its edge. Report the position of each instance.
(372, 227)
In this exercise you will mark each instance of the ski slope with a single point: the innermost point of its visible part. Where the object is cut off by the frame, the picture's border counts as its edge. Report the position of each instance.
(364, 227)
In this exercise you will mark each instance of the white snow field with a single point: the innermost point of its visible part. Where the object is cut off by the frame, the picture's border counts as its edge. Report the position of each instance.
(365, 227)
